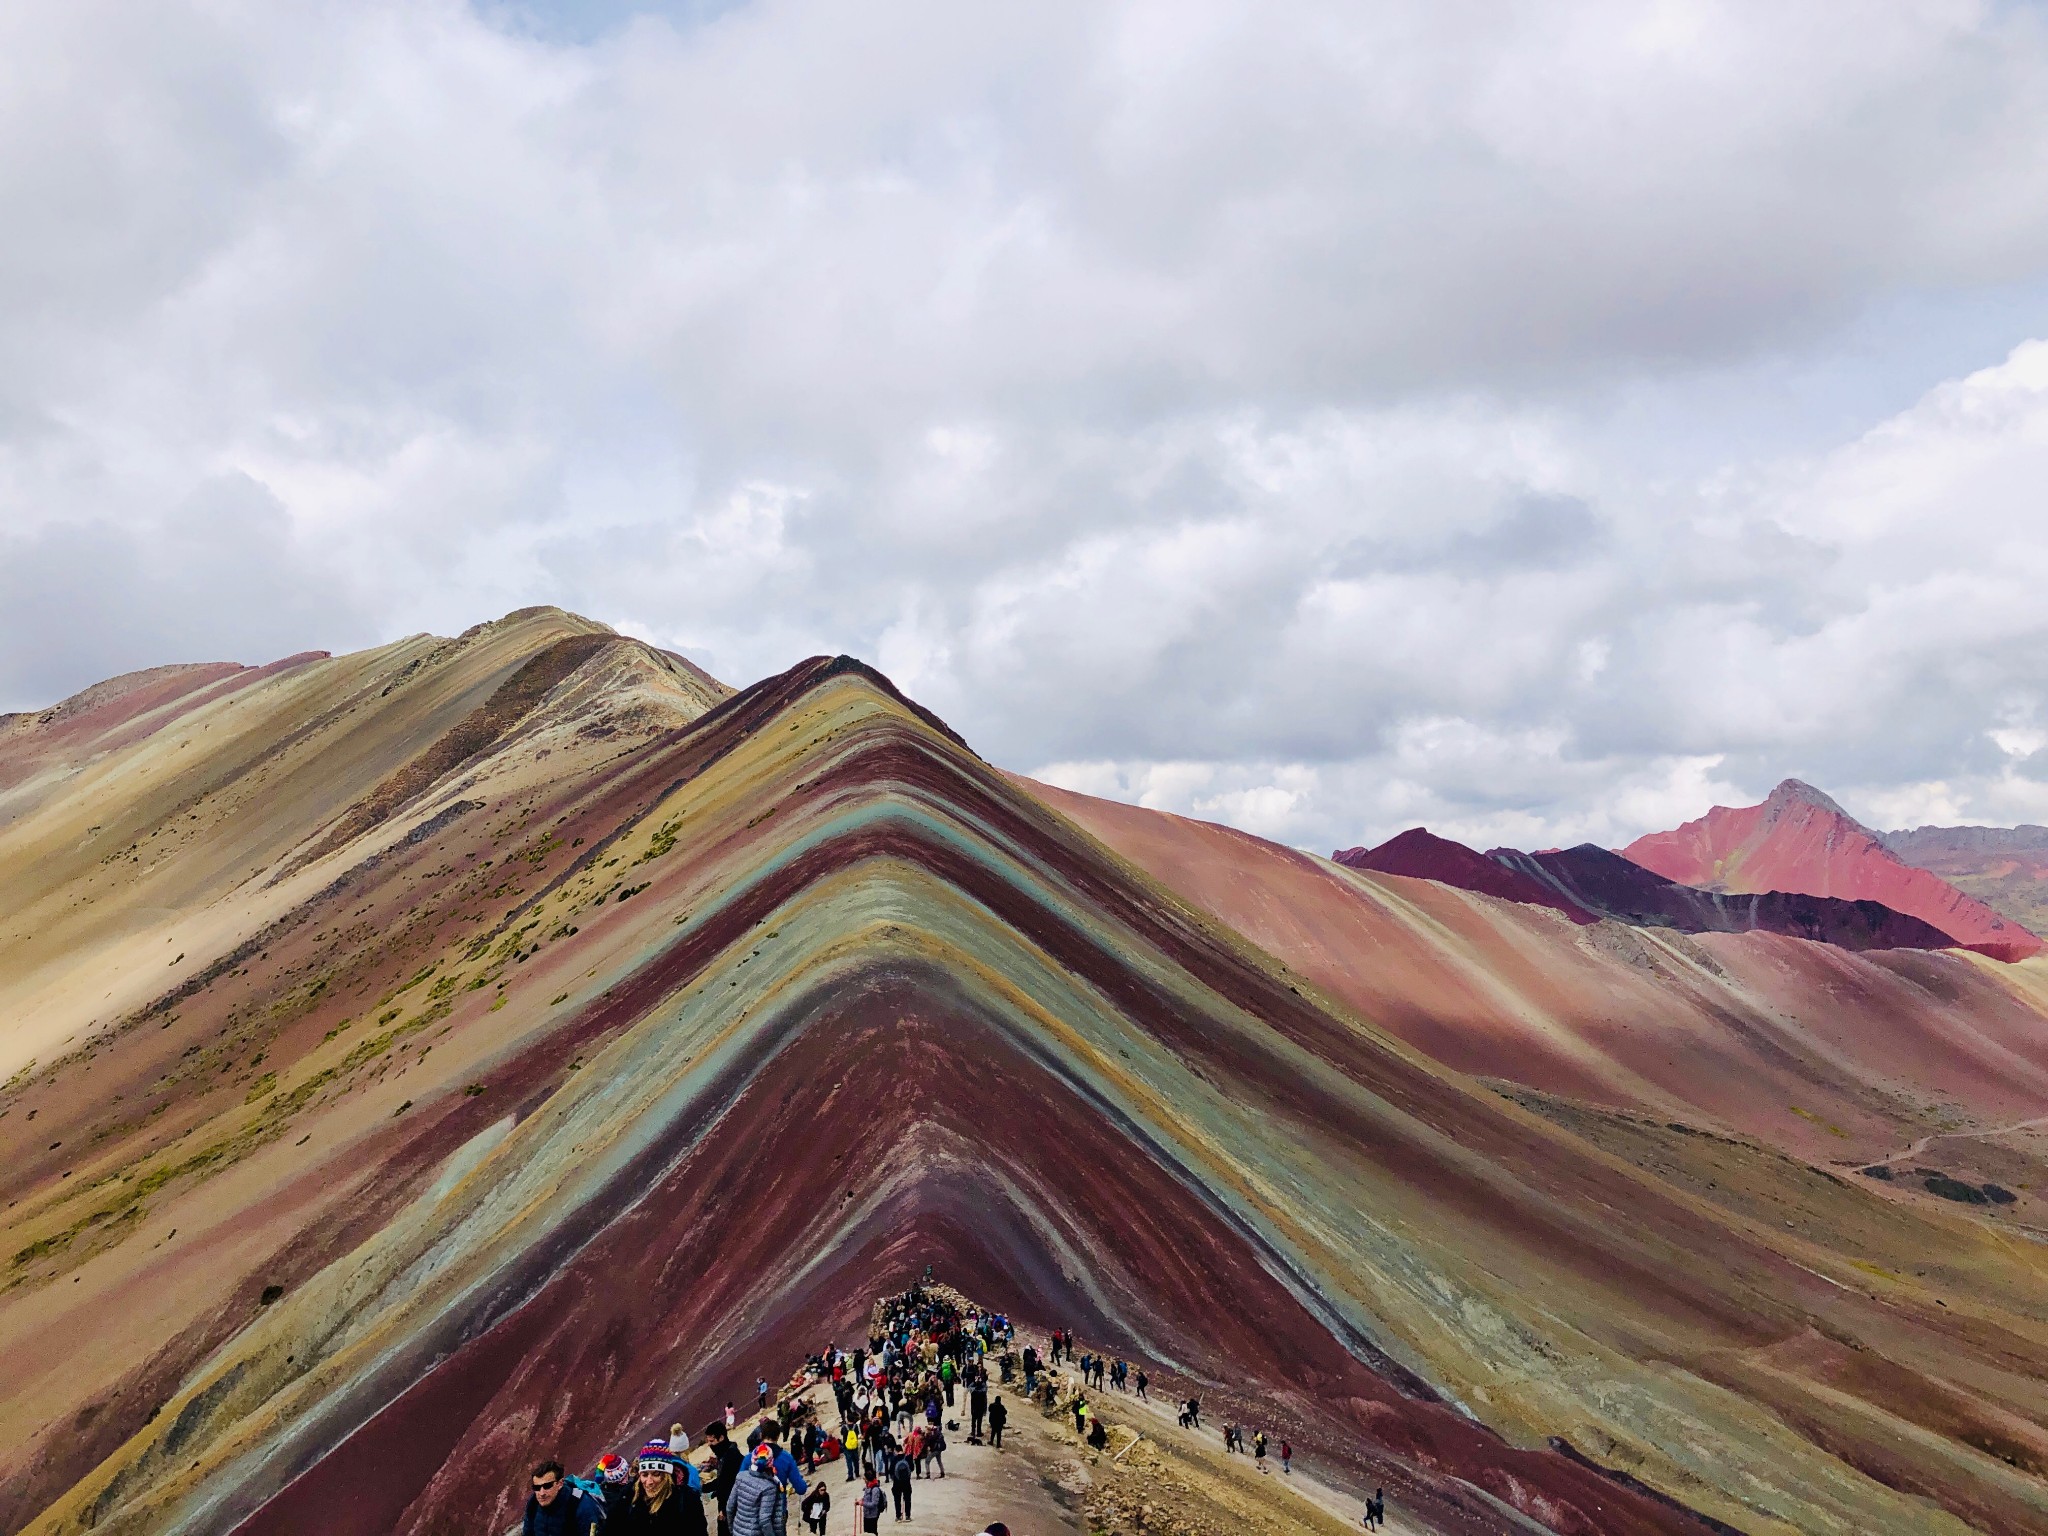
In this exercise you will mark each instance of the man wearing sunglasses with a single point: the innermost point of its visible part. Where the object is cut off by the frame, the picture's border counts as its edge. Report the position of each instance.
(557, 1507)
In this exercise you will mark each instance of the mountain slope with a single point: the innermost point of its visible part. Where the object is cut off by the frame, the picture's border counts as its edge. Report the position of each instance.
(2006, 868)
(1787, 1040)
(1598, 881)
(599, 1071)
(1421, 855)
(1799, 840)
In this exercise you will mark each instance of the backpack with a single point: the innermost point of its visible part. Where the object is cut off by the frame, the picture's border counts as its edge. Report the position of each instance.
(588, 1488)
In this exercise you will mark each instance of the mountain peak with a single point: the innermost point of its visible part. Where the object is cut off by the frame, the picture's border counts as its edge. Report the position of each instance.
(1751, 850)
(1798, 792)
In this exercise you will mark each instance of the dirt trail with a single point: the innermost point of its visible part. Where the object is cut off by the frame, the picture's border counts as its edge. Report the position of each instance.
(1919, 1148)
(1045, 1482)
(1158, 1421)
(1018, 1485)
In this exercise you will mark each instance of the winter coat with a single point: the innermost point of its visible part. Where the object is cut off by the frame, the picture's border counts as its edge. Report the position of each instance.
(757, 1505)
(574, 1513)
(729, 1460)
(618, 1498)
(681, 1514)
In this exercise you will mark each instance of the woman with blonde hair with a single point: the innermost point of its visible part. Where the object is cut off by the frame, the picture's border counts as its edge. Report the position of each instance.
(661, 1506)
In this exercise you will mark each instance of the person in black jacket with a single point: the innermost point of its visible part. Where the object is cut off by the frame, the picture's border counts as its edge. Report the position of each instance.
(817, 1507)
(725, 1467)
(998, 1416)
(899, 1485)
(556, 1507)
(662, 1506)
(615, 1479)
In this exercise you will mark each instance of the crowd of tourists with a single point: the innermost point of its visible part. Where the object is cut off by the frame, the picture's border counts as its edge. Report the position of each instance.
(928, 1357)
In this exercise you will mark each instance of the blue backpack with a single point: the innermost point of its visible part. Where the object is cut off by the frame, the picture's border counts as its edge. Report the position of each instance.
(590, 1488)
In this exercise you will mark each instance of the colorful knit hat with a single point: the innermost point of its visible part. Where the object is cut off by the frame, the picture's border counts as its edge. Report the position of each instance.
(655, 1456)
(612, 1467)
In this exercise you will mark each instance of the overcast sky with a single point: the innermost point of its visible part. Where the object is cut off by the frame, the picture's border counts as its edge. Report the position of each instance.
(1539, 421)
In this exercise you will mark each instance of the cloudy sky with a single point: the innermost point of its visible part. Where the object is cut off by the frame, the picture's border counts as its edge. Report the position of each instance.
(1536, 420)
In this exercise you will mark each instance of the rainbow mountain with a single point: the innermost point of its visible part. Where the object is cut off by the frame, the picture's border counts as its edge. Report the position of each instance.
(417, 1054)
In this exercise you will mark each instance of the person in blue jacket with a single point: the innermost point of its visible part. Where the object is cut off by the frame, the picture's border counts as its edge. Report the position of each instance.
(557, 1507)
(769, 1433)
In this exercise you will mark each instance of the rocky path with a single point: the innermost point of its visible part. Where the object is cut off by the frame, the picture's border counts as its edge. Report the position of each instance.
(1155, 1479)
(1018, 1485)
(1159, 1422)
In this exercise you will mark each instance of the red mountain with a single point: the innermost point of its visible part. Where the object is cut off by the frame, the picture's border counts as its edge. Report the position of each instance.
(1420, 854)
(1800, 840)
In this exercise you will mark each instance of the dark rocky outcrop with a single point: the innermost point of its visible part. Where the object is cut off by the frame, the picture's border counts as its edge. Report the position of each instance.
(1422, 855)
(1605, 882)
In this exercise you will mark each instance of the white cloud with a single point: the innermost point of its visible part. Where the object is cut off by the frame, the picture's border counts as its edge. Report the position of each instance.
(1241, 406)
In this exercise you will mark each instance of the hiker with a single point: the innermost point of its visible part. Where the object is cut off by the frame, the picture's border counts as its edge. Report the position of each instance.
(852, 1446)
(935, 1447)
(761, 1390)
(769, 1433)
(872, 1502)
(732, 1417)
(1080, 1414)
(557, 1507)
(899, 1485)
(725, 1466)
(758, 1506)
(1098, 1435)
(1194, 1413)
(977, 1411)
(998, 1416)
(615, 1483)
(686, 1469)
(1144, 1381)
(659, 1507)
(1376, 1510)
(1286, 1458)
(817, 1505)
(1259, 1451)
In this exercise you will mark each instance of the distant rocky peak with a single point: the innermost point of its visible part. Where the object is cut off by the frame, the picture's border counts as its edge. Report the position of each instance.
(1791, 792)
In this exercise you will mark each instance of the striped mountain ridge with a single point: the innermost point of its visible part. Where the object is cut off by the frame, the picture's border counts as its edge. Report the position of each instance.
(541, 1106)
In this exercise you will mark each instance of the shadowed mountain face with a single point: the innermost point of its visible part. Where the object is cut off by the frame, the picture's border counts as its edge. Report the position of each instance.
(1800, 840)
(1422, 855)
(1612, 886)
(1588, 883)
(546, 1052)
